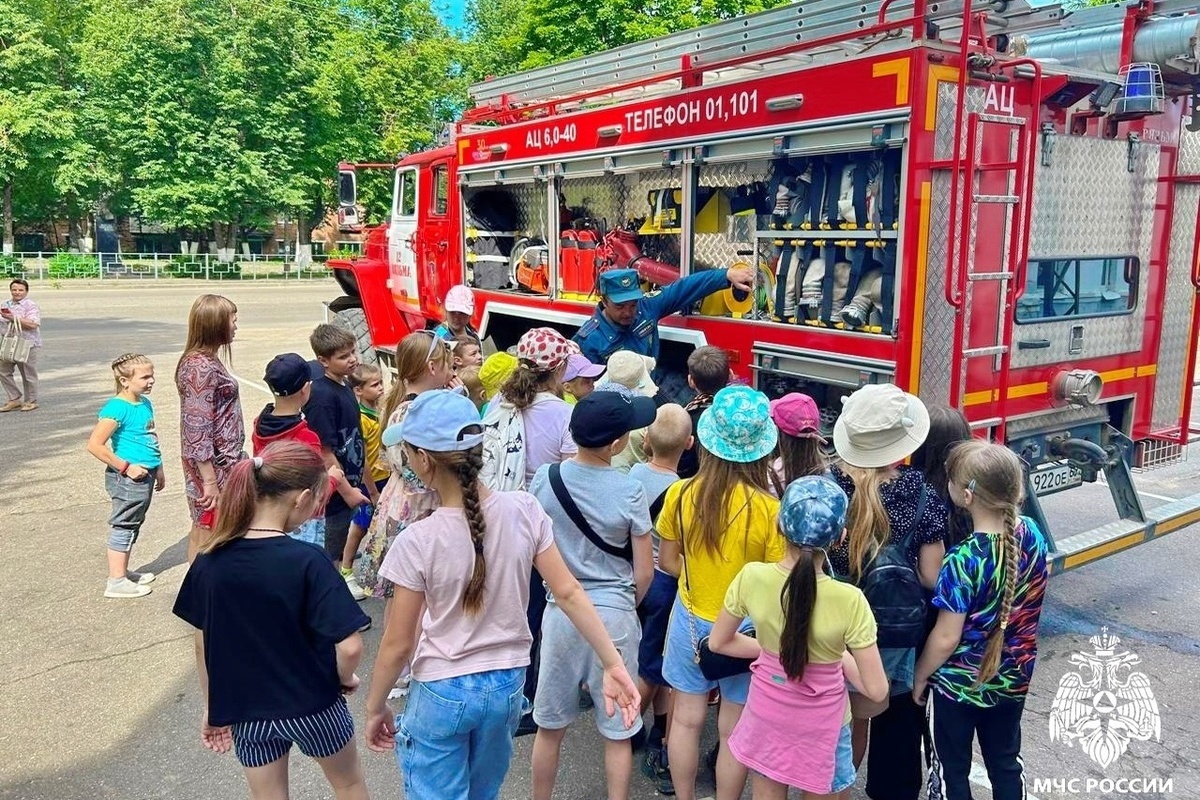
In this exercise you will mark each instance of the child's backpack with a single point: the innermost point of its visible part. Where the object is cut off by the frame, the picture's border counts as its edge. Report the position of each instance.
(893, 590)
(504, 445)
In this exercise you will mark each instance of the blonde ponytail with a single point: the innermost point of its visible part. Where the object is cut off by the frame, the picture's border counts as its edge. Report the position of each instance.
(1009, 548)
(867, 520)
(993, 474)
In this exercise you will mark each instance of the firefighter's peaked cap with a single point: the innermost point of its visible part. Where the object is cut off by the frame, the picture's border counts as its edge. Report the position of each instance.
(620, 285)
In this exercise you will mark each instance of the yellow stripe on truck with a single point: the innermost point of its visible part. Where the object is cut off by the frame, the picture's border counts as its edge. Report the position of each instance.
(1102, 550)
(1042, 387)
(1175, 523)
(922, 266)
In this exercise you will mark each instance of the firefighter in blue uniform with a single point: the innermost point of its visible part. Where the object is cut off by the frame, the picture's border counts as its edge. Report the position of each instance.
(626, 319)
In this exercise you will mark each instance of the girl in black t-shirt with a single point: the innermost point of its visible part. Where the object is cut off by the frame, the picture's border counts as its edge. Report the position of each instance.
(277, 630)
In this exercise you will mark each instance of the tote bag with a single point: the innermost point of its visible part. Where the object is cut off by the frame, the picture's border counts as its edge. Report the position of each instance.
(13, 346)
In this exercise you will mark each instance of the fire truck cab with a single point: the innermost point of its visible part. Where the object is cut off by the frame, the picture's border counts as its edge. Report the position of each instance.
(994, 207)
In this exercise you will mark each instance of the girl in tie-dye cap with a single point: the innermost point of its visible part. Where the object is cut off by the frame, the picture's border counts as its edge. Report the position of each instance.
(813, 634)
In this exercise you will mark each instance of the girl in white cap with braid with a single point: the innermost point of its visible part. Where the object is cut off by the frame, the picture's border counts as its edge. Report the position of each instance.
(894, 516)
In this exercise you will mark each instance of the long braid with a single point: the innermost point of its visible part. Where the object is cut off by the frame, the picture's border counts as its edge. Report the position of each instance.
(468, 476)
(995, 642)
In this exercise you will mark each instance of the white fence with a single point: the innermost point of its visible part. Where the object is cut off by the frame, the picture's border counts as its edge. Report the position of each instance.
(150, 266)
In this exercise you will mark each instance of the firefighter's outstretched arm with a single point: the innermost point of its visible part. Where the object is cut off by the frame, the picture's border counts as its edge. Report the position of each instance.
(683, 293)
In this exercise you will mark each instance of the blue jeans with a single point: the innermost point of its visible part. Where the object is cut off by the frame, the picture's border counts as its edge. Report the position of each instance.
(130, 501)
(455, 737)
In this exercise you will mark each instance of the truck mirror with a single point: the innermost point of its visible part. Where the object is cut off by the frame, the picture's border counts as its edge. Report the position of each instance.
(347, 188)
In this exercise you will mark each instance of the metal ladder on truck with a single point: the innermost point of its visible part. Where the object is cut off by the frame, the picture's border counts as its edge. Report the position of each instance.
(965, 275)
(786, 37)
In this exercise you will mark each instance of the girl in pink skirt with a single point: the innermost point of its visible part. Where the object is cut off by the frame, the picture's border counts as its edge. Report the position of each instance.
(813, 635)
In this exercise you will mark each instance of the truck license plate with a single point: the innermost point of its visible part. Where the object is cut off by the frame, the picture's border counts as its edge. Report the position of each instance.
(1055, 479)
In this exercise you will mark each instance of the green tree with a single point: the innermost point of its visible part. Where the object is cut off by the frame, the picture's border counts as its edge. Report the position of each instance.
(224, 115)
(37, 124)
(511, 35)
(391, 78)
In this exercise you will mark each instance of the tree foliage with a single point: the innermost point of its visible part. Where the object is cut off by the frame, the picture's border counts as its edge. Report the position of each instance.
(205, 114)
(215, 116)
(511, 35)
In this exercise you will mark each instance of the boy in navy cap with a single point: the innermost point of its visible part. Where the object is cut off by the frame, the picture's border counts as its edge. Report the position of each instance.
(289, 379)
(601, 522)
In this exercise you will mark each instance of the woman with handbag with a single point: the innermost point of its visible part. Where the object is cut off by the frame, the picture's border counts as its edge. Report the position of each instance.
(795, 730)
(20, 327)
(211, 429)
(711, 526)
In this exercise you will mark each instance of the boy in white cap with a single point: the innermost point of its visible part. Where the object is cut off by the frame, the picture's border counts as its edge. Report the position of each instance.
(460, 307)
(631, 371)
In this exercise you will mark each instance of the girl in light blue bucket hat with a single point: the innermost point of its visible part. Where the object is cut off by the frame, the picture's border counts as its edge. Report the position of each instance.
(795, 730)
(711, 526)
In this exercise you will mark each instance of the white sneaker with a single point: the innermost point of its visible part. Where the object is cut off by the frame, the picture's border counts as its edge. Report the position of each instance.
(400, 690)
(124, 588)
(356, 591)
(140, 578)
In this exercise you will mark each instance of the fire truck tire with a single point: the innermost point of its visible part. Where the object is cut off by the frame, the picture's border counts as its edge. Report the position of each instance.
(355, 321)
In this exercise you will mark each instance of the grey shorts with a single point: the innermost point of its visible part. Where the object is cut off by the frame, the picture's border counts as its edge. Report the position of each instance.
(567, 661)
(130, 501)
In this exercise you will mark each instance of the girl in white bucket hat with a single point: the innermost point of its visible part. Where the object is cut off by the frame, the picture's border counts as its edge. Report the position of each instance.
(880, 426)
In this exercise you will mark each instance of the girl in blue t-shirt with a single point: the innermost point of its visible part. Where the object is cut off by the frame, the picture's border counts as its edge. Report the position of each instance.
(979, 658)
(133, 468)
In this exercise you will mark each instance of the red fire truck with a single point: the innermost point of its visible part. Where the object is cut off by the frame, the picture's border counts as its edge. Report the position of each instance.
(993, 206)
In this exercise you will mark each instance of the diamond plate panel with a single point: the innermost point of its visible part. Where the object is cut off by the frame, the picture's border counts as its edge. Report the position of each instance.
(1171, 382)
(601, 197)
(638, 185)
(944, 127)
(1087, 203)
(945, 248)
(533, 220)
(1189, 152)
(530, 202)
(1058, 418)
(937, 348)
(718, 249)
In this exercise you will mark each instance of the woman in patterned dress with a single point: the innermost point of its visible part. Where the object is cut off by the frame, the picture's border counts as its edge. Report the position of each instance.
(211, 429)
(423, 362)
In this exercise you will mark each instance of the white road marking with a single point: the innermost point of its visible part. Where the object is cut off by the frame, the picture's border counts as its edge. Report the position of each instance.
(252, 384)
(1151, 495)
(1158, 496)
(979, 778)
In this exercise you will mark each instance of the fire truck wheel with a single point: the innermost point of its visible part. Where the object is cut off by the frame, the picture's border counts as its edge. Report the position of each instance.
(355, 321)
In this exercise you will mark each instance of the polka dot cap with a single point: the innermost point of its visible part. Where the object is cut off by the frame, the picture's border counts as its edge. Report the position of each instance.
(545, 348)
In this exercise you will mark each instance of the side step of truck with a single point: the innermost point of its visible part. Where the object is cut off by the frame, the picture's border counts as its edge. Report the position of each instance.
(1083, 548)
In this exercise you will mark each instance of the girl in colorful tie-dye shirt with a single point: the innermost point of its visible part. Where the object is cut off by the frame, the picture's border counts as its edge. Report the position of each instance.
(980, 656)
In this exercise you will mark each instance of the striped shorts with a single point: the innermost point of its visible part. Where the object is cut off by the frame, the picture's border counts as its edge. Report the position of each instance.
(318, 735)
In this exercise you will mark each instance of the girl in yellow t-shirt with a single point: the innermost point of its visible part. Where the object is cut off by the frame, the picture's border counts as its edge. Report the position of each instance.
(711, 526)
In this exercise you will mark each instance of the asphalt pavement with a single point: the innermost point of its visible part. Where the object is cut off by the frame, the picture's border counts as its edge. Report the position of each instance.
(99, 699)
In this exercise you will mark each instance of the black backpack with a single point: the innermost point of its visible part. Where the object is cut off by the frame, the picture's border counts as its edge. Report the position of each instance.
(894, 591)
